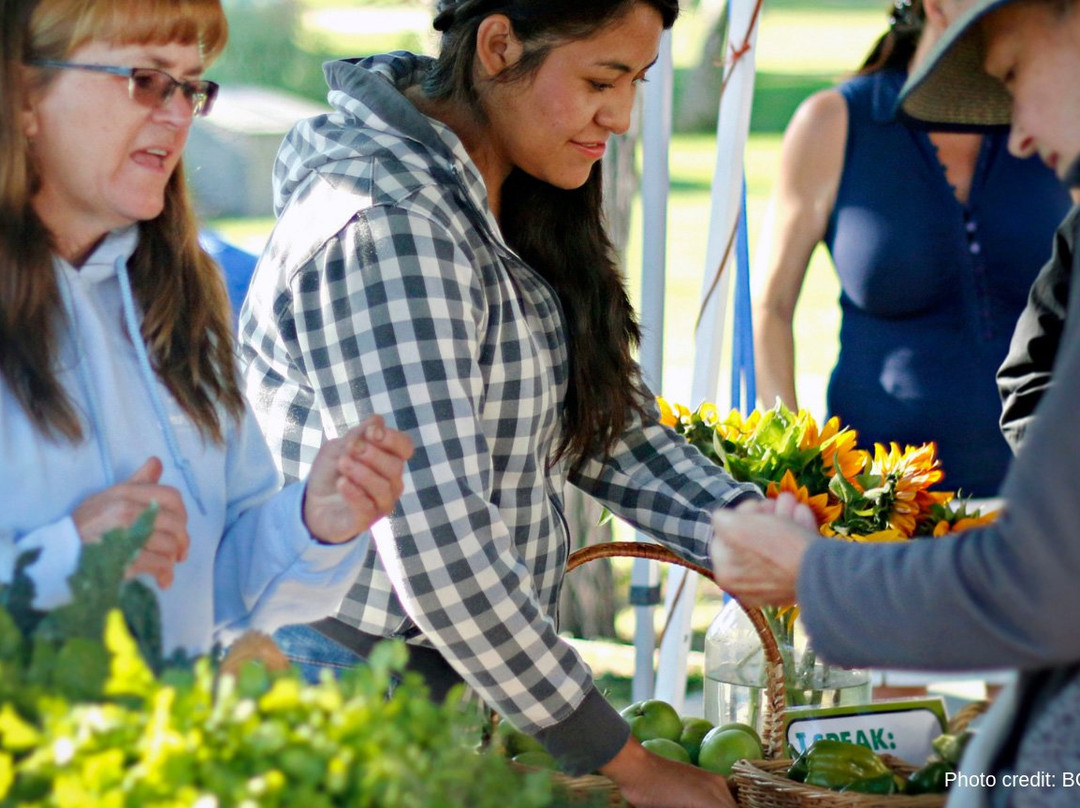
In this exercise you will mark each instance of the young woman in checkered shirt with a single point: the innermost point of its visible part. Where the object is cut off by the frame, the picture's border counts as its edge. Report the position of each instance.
(441, 256)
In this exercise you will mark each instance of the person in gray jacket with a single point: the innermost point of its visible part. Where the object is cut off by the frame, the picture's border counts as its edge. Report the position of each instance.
(440, 256)
(1004, 595)
(1025, 375)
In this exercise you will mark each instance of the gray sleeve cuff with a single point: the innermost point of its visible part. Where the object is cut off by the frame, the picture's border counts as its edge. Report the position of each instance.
(589, 738)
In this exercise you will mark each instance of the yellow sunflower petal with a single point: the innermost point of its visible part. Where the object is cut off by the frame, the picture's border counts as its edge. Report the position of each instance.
(667, 415)
(880, 536)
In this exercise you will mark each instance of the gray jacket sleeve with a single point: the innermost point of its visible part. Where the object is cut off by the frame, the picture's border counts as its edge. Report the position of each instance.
(1024, 376)
(1002, 596)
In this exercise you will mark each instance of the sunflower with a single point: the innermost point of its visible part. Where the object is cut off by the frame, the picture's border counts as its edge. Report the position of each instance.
(708, 414)
(905, 474)
(824, 512)
(667, 414)
(837, 447)
(737, 429)
(879, 537)
(944, 526)
(673, 415)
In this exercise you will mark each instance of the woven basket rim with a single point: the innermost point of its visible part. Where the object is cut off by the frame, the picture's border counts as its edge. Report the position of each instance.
(764, 784)
(590, 785)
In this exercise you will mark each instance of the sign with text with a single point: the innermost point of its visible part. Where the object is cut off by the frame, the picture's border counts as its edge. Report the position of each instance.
(903, 728)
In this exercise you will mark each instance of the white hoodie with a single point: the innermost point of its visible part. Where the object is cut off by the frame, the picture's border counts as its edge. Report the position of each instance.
(252, 563)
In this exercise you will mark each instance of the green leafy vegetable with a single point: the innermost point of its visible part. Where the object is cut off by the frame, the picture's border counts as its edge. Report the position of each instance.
(86, 720)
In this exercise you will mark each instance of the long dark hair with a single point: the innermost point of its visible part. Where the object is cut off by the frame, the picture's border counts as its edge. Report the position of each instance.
(894, 49)
(560, 233)
(186, 321)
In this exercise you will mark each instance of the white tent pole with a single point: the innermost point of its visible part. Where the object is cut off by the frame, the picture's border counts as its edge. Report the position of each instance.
(655, 181)
(656, 137)
(733, 125)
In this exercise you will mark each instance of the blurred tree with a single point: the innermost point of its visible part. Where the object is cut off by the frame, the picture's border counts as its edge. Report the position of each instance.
(264, 49)
(698, 99)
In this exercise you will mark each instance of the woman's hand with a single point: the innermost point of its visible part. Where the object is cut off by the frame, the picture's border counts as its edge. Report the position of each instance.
(355, 481)
(650, 781)
(758, 547)
(121, 504)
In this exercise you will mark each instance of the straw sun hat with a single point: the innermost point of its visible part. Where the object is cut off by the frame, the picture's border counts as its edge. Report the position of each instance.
(950, 89)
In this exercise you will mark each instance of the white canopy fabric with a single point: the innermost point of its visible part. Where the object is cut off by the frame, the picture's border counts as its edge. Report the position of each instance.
(733, 124)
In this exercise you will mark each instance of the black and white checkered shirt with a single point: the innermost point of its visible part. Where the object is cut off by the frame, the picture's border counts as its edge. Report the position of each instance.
(387, 288)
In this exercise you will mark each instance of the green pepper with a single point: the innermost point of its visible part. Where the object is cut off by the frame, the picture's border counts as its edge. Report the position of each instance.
(950, 747)
(799, 767)
(836, 764)
(879, 784)
(930, 779)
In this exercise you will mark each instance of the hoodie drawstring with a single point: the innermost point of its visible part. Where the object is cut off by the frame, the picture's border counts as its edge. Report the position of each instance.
(89, 391)
(150, 380)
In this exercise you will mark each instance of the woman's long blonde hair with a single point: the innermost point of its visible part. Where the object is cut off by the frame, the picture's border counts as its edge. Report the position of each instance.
(186, 321)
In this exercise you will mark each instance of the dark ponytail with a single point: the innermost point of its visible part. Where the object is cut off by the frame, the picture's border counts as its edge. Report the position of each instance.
(893, 51)
(561, 233)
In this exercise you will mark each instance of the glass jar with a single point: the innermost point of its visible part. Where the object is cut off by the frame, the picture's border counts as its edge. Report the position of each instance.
(735, 669)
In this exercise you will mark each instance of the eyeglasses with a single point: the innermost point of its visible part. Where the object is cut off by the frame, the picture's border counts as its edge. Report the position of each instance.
(149, 86)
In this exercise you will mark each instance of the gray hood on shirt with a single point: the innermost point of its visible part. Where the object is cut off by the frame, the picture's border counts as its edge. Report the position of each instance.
(366, 98)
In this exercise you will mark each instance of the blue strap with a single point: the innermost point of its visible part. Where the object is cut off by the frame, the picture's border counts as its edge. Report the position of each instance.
(742, 359)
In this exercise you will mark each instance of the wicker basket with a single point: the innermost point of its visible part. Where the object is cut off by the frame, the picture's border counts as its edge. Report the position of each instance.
(588, 790)
(594, 789)
(762, 783)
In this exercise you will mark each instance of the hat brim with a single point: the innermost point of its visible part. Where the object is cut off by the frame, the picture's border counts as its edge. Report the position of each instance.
(950, 89)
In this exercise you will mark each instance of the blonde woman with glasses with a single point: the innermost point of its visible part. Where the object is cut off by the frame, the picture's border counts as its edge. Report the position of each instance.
(118, 383)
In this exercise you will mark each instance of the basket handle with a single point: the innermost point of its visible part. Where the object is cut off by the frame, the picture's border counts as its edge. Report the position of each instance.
(775, 692)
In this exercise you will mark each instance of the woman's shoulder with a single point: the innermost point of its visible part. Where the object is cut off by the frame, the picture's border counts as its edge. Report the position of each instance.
(823, 108)
(820, 121)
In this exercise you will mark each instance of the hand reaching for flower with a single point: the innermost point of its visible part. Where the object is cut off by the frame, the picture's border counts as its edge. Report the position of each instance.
(355, 481)
(784, 505)
(758, 548)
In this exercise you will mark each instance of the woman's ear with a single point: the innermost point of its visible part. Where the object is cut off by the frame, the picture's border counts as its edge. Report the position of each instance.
(497, 48)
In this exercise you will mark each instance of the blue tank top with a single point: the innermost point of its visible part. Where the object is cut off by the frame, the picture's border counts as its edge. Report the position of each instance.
(930, 288)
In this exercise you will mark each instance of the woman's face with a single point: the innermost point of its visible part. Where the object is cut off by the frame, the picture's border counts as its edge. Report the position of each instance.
(555, 123)
(102, 158)
(1036, 55)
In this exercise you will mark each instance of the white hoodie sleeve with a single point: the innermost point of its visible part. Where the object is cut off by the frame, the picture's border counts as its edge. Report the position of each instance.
(60, 546)
(269, 570)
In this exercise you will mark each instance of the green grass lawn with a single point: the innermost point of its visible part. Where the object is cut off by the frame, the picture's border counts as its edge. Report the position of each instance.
(692, 160)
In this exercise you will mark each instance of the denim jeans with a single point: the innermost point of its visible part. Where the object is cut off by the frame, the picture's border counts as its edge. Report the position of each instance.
(312, 652)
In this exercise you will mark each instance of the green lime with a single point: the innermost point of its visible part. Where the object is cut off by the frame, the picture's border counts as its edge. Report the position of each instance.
(721, 747)
(694, 731)
(653, 718)
(672, 750)
(749, 730)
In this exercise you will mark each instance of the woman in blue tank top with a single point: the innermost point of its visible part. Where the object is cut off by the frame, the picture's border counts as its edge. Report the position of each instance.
(936, 238)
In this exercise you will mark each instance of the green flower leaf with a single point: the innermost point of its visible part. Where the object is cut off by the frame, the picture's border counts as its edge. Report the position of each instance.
(96, 583)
